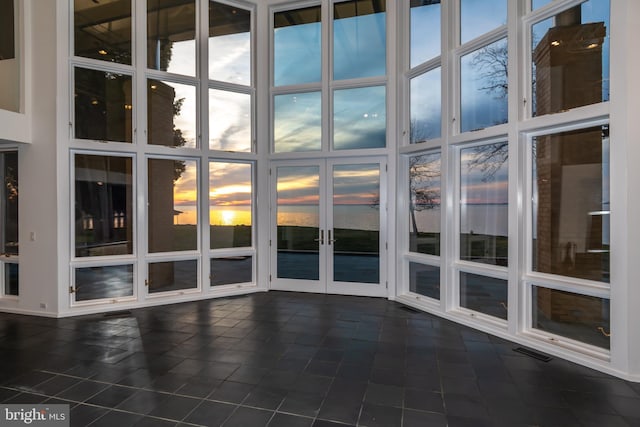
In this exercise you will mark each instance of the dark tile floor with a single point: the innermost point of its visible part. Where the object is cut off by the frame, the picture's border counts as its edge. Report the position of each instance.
(288, 360)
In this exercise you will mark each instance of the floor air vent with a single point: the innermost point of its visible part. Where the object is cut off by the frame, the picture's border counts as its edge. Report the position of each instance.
(531, 353)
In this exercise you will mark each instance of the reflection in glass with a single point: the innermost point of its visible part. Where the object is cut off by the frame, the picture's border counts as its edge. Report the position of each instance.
(113, 281)
(484, 294)
(359, 39)
(571, 207)
(356, 223)
(103, 106)
(102, 30)
(171, 32)
(484, 204)
(229, 121)
(424, 280)
(230, 200)
(359, 118)
(9, 191)
(478, 17)
(570, 61)
(173, 205)
(103, 205)
(424, 207)
(229, 43)
(171, 114)
(231, 270)
(579, 317)
(425, 15)
(426, 106)
(297, 122)
(298, 219)
(483, 87)
(172, 276)
(297, 46)
(11, 279)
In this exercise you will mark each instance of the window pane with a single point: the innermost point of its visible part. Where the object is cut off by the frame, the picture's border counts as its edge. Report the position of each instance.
(483, 87)
(173, 205)
(571, 58)
(536, 4)
(478, 17)
(102, 30)
(103, 106)
(359, 39)
(11, 279)
(425, 15)
(10, 203)
(424, 280)
(229, 121)
(171, 32)
(171, 113)
(297, 122)
(579, 317)
(356, 223)
(104, 282)
(359, 118)
(424, 207)
(426, 106)
(229, 43)
(297, 46)
(103, 205)
(230, 204)
(484, 206)
(298, 221)
(231, 270)
(484, 294)
(571, 204)
(173, 276)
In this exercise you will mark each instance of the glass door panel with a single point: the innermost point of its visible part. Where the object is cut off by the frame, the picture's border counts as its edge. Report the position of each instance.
(327, 234)
(298, 222)
(356, 223)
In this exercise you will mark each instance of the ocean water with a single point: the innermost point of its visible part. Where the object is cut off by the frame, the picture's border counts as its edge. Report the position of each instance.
(491, 219)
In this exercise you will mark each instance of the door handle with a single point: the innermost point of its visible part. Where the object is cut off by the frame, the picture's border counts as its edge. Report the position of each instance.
(321, 239)
(329, 239)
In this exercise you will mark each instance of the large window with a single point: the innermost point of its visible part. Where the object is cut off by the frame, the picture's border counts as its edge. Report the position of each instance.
(521, 142)
(230, 204)
(171, 114)
(171, 34)
(359, 39)
(484, 204)
(173, 205)
(189, 100)
(484, 69)
(570, 58)
(9, 223)
(102, 30)
(357, 117)
(570, 207)
(424, 203)
(103, 205)
(103, 104)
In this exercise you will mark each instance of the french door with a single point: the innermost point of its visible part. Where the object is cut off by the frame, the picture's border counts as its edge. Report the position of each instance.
(328, 226)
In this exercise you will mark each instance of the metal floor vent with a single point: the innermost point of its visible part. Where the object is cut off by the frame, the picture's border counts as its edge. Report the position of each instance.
(532, 353)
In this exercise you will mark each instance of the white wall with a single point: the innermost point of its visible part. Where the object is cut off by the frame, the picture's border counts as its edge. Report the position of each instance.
(37, 169)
